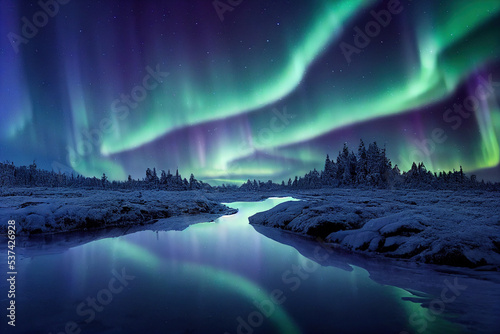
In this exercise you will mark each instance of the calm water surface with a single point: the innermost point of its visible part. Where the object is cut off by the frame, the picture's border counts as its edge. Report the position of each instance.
(221, 277)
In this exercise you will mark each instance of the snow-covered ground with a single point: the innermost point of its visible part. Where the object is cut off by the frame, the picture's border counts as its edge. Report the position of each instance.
(441, 227)
(47, 210)
(476, 303)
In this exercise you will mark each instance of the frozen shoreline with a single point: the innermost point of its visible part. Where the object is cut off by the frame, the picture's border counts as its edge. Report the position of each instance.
(476, 302)
(460, 229)
(53, 210)
(349, 220)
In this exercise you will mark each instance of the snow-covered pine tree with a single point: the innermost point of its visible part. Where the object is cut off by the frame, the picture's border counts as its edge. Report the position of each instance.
(327, 174)
(163, 178)
(104, 180)
(362, 164)
(149, 175)
(342, 160)
(193, 183)
(373, 156)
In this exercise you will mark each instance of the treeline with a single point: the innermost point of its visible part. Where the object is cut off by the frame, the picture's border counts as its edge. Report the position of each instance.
(31, 176)
(371, 168)
(368, 168)
(168, 181)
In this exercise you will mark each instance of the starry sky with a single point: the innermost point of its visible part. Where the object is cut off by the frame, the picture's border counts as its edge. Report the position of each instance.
(231, 90)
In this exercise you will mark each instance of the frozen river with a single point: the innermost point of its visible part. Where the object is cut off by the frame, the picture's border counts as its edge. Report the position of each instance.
(220, 277)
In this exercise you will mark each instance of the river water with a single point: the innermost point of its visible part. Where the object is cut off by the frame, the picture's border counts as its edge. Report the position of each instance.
(219, 277)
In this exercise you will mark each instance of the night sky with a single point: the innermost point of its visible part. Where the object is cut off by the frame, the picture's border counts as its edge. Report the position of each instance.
(256, 89)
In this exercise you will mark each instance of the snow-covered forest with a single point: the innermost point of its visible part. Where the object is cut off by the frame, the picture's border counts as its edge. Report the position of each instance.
(369, 168)
(32, 176)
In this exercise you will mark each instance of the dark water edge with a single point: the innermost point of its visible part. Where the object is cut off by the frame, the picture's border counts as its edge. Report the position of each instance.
(476, 305)
(50, 243)
(476, 309)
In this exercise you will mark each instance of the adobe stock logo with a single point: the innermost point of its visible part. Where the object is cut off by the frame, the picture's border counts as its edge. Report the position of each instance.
(40, 19)
(225, 6)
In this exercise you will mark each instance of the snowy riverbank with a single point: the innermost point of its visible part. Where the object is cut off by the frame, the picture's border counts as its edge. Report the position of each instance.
(51, 210)
(460, 229)
(442, 227)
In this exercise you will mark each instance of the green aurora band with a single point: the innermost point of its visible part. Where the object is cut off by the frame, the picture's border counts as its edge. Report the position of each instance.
(214, 110)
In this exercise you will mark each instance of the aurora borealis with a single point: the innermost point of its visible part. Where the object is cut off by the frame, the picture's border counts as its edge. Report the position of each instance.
(120, 86)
